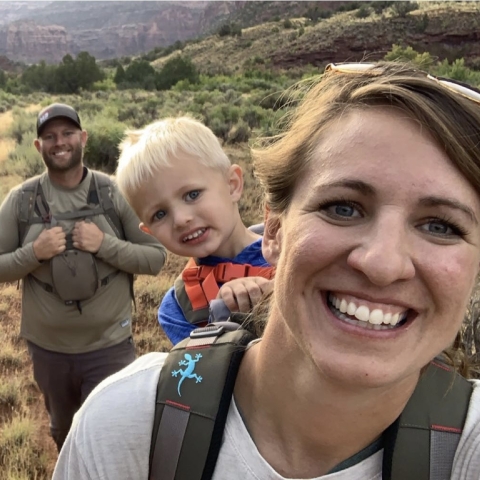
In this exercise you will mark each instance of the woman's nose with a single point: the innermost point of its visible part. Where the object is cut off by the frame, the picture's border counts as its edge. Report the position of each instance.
(384, 255)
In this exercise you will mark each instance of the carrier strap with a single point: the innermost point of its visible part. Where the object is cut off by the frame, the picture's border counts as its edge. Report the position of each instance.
(201, 281)
(192, 402)
(422, 442)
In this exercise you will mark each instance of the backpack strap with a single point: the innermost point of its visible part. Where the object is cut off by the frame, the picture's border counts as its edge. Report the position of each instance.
(30, 189)
(198, 285)
(422, 442)
(100, 193)
(194, 392)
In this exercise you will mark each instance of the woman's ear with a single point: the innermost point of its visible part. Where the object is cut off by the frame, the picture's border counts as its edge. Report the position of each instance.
(272, 238)
(235, 181)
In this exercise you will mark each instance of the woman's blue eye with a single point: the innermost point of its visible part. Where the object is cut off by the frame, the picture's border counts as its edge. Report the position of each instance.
(439, 228)
(342, 210)
(193, 194)
(159, 215)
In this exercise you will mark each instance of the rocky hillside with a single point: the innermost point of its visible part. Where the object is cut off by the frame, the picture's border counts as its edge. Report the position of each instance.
(445, 29)
(32, 31)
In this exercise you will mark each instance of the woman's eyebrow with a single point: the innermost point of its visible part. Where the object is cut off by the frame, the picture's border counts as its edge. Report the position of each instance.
(356, 185)
(433, 201)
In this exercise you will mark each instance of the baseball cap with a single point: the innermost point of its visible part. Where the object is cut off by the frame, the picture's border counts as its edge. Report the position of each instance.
(56, 110)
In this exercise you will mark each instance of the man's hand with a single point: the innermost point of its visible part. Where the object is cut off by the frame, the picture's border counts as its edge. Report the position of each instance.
(49, 243)
(242, 294)
(87, 237)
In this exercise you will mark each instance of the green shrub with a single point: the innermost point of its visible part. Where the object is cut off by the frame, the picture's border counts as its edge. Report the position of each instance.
(176, 69)
(363, 12)
(422, 60)
(232, 29)
(403, 8)
(24, 160)
(104, 136)
(239, 133)
(287, 23)
(22, 124)
(457, 70)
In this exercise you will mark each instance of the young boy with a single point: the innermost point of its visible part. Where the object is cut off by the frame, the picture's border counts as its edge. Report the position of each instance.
(185, 191)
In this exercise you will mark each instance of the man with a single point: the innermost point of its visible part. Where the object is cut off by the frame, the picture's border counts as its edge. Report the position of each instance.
(75, 242)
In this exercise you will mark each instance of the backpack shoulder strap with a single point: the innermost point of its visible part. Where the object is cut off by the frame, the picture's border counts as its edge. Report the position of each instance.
(32, 193)
(194, 392)
(100, 193)
(194, 312)
(421, 444)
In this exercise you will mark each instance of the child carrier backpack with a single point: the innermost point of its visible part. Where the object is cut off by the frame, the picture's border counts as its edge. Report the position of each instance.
(196, 386)
(197, 285)
(74, 272)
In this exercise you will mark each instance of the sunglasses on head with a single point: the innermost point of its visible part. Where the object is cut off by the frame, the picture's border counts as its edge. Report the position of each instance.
(373, 69)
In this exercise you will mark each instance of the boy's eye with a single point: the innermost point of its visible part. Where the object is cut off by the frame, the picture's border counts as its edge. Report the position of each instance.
(159, 215)
(193, 195)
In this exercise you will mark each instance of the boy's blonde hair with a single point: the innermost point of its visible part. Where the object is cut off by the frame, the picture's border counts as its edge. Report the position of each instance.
(161, 144)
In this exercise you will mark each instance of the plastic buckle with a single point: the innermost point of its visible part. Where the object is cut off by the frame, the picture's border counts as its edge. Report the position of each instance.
(192, 274)
(214, 329)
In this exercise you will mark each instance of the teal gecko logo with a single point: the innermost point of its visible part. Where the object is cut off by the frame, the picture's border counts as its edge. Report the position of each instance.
(190, 363)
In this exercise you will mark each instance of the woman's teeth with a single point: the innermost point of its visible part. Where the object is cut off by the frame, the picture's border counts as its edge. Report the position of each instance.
(363, 316)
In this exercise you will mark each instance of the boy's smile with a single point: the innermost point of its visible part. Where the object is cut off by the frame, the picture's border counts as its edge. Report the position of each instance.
(192, 209)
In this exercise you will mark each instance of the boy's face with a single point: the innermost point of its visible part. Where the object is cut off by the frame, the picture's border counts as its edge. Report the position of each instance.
(192, 209)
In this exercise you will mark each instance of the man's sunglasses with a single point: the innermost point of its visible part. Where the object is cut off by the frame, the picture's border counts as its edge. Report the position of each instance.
(373, 69)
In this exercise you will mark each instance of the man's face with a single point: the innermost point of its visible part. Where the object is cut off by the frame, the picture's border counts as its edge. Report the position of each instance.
(61, 145)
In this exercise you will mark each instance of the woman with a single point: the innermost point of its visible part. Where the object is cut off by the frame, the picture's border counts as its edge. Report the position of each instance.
(373, 195)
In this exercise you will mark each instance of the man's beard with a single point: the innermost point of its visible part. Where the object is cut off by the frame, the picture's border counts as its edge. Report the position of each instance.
(76, 157)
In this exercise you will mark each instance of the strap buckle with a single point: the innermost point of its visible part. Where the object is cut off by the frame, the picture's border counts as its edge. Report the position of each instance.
(224, 272)
(214, 329)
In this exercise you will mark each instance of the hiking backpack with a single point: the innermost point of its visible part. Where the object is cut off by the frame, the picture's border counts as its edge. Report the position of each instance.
(34, 209)
(190, 415)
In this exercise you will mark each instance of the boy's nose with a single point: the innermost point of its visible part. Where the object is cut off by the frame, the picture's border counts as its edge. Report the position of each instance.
(182, 217)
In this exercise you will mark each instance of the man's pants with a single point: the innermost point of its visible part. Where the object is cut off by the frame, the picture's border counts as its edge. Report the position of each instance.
(66, 380)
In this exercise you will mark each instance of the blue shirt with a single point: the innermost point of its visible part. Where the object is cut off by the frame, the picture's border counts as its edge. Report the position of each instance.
(170, 315)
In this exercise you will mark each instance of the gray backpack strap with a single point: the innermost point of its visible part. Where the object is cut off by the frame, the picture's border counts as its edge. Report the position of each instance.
(100, 193)
(194, 392)
(421, 444)
(30, 190)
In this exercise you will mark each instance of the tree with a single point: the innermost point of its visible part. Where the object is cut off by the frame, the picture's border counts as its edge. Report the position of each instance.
(66, 80)
(119, 74)
(87, 70)
(176, 69)
(140, 74)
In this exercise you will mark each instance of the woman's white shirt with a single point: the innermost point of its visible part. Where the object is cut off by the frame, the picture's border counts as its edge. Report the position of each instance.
(110, 436)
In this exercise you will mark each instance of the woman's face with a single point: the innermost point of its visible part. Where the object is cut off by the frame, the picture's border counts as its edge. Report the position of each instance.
(378, 253)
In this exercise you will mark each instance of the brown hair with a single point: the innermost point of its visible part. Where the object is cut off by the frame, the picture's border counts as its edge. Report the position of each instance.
(452, 120)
